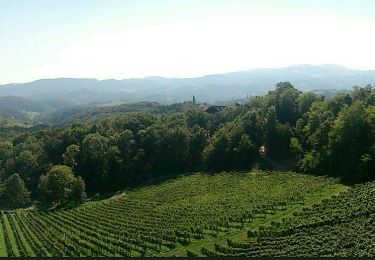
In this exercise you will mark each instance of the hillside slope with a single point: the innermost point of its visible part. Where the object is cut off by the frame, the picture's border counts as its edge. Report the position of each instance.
(171, 218)
(341, 226)
(21, 110)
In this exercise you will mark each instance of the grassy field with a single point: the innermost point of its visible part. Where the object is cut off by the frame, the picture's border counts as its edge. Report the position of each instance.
(171, 218)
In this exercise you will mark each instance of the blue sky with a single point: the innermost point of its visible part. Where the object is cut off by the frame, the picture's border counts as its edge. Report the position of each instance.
(176, 38)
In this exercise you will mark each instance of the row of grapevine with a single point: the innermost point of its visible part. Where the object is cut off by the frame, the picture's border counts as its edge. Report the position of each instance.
(157, 218)
(340, 226)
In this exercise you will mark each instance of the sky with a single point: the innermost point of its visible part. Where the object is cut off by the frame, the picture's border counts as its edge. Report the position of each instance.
(118, 39)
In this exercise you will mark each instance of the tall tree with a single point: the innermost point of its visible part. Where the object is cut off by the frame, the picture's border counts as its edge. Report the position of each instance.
(15, 192)
(94, 166)
(77, 191)
(71, 156)
(348, 142)
(56, 184)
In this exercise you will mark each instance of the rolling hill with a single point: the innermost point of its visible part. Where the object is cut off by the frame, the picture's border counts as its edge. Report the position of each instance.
(210, 88)
(21, 109)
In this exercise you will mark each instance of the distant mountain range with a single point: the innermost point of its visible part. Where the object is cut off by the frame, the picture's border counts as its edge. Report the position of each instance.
(65, 92)
(46, 96)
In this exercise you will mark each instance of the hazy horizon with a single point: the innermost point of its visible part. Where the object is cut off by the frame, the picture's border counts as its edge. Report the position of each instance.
(197, 76)
(117, 39)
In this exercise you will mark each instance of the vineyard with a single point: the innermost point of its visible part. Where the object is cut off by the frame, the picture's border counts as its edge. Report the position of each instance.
(174, 217)
(340, 226)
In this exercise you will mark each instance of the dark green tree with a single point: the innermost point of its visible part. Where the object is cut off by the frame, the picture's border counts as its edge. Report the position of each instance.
(71, 156)
(15, 192)
(77, 192)
(56, 185)
(94, 152)
(349, 142)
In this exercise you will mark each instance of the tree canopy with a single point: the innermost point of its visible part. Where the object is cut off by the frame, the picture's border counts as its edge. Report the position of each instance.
(309, 133)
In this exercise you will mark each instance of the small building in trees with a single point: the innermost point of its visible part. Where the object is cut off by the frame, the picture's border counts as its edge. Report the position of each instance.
(214, 109)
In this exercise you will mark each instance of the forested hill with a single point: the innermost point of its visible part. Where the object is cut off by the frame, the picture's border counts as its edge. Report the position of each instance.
(295, 130)
(90, 113)
(210, 88)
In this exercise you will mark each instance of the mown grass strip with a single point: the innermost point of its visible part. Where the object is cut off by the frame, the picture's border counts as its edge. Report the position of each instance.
(3, 250)
(11, 236)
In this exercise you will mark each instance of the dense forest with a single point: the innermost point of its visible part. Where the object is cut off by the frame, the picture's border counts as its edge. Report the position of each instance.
(285, 128)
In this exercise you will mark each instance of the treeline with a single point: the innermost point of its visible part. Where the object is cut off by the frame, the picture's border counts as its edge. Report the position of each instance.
(315, 135)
